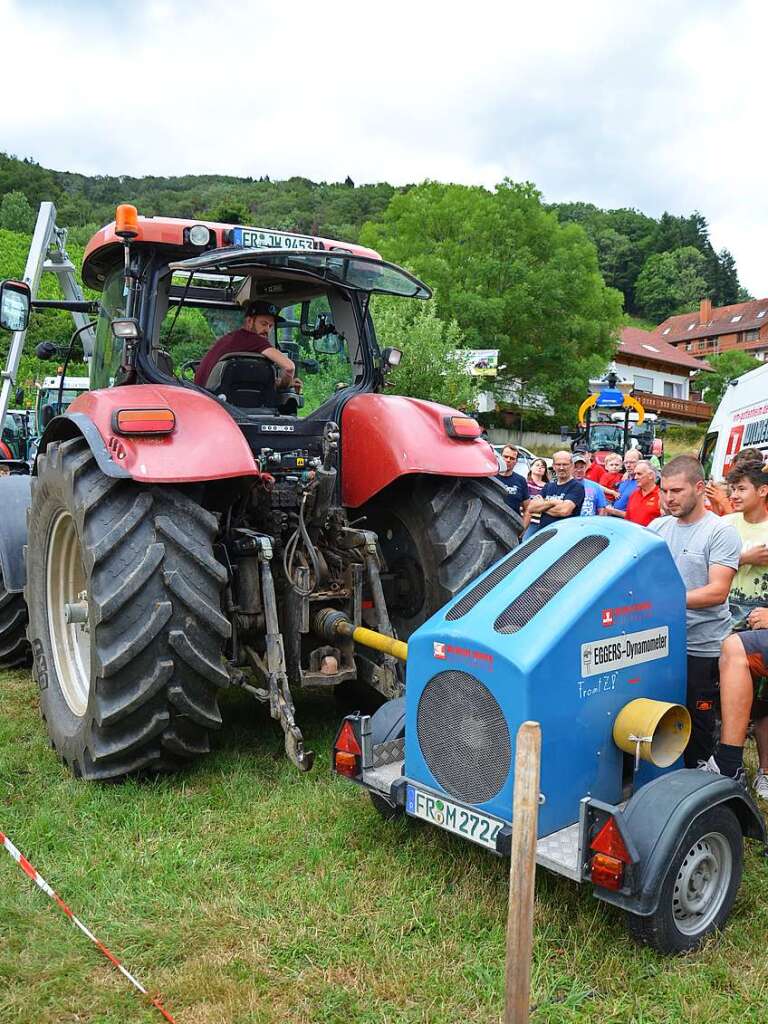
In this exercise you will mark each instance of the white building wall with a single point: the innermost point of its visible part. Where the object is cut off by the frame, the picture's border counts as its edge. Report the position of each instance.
(657, 377)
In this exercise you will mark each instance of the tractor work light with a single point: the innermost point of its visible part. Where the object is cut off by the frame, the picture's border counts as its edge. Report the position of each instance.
(143, 421)
(198, 235)
(128, 328)
(126, 221)
(463, 428)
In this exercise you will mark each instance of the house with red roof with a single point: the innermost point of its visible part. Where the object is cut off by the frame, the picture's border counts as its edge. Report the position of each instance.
(713, 330)
(662, 376)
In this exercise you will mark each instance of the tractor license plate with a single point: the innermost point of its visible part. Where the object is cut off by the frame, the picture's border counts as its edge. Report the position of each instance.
(463, 821)
(257, 238)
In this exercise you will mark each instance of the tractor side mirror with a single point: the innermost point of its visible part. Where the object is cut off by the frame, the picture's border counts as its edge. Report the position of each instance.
(19, 396)
(15, 304)
(46, 350)
(564, 434)
(661, 426)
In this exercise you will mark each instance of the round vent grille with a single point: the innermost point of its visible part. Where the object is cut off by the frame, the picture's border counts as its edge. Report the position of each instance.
(463, 736)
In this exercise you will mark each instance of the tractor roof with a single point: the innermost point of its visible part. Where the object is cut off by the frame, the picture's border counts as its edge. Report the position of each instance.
(105, 249)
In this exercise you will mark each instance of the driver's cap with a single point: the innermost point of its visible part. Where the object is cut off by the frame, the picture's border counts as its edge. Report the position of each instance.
(264, 309)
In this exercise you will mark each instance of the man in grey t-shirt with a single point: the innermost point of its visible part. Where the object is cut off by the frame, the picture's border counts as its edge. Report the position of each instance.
(706, 551)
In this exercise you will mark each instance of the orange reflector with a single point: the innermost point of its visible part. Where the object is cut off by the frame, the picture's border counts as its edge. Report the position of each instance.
(608, 840)
(346, 763)
(144, 421)
(607, 872)
(126, 221)
(347, 741)
(463, 427)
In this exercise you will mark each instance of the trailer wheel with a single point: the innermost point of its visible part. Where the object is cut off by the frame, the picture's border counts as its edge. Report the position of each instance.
(700, 886)
(125, 622)
(437, 534)
(14, 646)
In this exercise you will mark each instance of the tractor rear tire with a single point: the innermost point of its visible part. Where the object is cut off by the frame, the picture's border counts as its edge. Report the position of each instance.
(134, 687)
(437, 534)
(14, 646)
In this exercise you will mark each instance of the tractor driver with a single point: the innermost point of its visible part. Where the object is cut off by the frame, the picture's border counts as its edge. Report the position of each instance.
(261, 318)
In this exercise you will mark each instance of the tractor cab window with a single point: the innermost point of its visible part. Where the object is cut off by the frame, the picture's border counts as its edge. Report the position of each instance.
(107, 352)
(318, 333)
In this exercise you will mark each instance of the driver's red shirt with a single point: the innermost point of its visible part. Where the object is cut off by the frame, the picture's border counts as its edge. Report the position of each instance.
(236, 341)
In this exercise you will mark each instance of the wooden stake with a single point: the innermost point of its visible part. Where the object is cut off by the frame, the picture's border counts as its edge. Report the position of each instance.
(522, 873)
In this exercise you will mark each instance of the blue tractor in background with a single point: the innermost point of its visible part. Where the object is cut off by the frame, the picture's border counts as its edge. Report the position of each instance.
(582, 629)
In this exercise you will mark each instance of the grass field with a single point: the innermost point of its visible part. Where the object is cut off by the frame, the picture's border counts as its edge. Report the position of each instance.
(248, 894)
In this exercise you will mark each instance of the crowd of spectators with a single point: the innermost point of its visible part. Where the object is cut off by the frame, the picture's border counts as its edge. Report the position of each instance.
(718, 537)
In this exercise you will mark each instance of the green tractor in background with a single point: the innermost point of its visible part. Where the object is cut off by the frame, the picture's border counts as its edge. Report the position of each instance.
(23, 427)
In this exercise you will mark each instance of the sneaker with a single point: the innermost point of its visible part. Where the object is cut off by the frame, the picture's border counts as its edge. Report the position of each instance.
(761, 784)
(713, 768)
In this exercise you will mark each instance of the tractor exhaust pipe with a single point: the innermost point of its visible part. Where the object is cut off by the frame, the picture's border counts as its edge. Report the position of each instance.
(330, 623)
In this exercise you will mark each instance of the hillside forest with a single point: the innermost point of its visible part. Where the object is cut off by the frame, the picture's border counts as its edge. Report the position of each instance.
(547, 284)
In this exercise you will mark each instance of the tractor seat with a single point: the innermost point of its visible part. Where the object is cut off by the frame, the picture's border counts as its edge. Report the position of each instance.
(250, 382)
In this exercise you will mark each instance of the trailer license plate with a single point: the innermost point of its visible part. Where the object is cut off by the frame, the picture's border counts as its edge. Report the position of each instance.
(463, 821)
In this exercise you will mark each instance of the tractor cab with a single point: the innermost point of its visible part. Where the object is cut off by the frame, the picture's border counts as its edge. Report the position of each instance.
(183, 302)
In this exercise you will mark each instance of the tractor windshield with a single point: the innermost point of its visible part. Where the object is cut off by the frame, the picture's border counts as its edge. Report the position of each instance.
(606, 434)
(321, 298)
(319, 327)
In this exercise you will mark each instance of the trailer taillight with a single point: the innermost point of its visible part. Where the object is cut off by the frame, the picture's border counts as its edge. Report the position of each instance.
(609, 841)
(464, 428)
(144, 421)
(611, 855)
(347, 751)
(607, 872)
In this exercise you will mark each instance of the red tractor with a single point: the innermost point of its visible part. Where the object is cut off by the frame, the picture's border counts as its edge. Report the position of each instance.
(183, 539)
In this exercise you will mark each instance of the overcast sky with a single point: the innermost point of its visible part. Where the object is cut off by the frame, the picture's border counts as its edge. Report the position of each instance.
(659, 106)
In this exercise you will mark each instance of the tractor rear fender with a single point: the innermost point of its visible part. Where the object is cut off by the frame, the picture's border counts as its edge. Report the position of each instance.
(14, 498)
(386, 437)
(205, 443)
(656, 820)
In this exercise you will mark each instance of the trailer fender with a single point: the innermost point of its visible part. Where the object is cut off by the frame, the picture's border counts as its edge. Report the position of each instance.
(14, 497)
(656, 819)
(388, 722)
(386, 437)
(206, 444)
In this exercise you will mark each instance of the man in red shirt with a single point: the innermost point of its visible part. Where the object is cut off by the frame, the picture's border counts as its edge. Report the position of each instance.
(643, 505)
(260, 321)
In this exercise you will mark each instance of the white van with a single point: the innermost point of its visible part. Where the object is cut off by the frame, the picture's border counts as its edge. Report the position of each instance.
(741, 421)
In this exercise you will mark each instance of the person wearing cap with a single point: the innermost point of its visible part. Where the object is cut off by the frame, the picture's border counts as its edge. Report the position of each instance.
(253, 337)
(594, 496)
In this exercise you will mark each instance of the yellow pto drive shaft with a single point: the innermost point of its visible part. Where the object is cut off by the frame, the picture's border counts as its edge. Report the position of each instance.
(330, 623)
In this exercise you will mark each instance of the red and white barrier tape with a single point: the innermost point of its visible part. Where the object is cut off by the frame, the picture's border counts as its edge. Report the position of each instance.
(41, 883)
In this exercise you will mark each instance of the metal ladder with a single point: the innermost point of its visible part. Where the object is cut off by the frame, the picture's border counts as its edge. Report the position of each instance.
(47, 252)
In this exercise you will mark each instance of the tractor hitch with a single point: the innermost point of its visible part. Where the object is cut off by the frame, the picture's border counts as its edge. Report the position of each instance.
(271, 667)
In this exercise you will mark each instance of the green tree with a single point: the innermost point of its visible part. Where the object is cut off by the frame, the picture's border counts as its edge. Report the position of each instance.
(429, 368)
(15, 212)
(511, 276)
(671, 282)
(727, 367)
